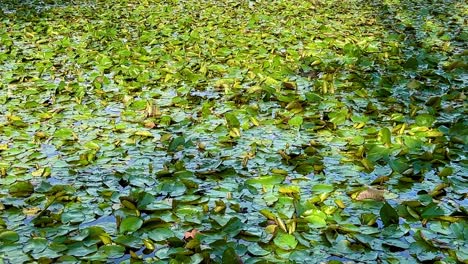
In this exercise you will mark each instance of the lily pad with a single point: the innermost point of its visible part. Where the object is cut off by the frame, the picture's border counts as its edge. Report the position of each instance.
(285, 241)
(130, 224)
(21, 189)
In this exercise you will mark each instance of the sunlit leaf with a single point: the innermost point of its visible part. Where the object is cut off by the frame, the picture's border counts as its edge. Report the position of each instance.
(232, 120)
(285, 241)
(296, 121)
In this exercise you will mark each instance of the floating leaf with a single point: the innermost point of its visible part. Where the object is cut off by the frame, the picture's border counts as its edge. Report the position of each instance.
(143, 133)
(322, 188)
(92, 145)
(425, 120)
(8, 236)
(289, 85)
(161, 234)
(21, 189)
(431, 211)
(176, 143)
(267, 180)
(113, 251)
(372, 194)
(285, 241)
(256, 250)
(411, 63)
(316, 218)
(64, 134)
(388, 215)
(289, 189)
(296, 121)
(230, 257)
(316, 221)
(367, 164)
(232, 120)
(385, 136)
(130, 224)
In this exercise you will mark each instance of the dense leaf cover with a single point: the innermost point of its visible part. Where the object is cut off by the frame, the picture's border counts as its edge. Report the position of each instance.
(226, 131)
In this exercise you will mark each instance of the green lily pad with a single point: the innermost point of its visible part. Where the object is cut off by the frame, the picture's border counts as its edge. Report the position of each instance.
(160, 234)
(8, 236)
(322, 188)
(21, 189)
(389, 215)
(176, 143)
(431, 211)
(425, 120)
(112, 251)
(230, 257)
(130, 224)
(232, 120)
(267, 180)
(64, 134)
(296, 121)
(256, 250)
(285, 241)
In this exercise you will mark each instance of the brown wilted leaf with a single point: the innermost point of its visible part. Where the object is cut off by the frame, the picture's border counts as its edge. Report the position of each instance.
(191, 234)
(31, 211)
(149, 124)
(289, 85)
(372, 194)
